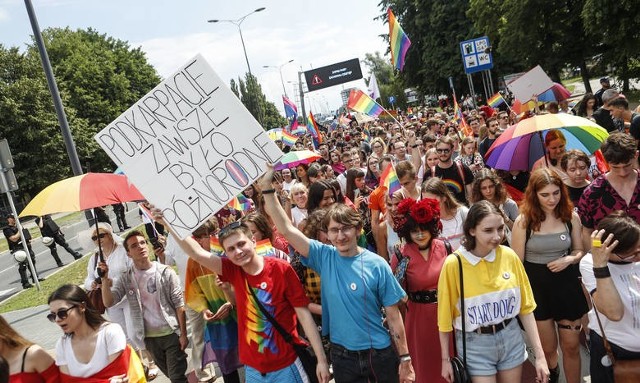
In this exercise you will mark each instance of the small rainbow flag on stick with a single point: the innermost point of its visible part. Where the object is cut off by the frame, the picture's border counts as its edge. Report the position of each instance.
(265, 248)
(459, 118)
(389, 179)
(398, 40)
(240, 203)
(216, 247)
(496, 100)
(288, 138)
(362, 103)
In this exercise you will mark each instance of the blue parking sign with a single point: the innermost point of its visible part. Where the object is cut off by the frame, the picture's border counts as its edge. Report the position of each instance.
(392, 99)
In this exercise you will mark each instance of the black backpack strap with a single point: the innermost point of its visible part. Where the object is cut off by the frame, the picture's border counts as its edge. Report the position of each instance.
(462, 310)
(287, 337)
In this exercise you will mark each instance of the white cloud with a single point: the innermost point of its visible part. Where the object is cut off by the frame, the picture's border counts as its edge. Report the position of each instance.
(4, 15)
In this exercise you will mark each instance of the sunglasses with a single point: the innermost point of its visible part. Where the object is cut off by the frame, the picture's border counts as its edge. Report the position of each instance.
(232, 226)
(101, 236)
(443, 150)
(62, 314)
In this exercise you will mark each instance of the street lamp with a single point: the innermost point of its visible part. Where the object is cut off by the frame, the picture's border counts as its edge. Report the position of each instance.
(279, 67)
(238, 23)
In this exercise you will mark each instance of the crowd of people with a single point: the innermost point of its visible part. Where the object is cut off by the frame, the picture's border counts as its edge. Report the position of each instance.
(384, 285)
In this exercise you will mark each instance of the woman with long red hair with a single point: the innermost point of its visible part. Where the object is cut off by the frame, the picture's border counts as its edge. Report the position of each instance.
(547, 237)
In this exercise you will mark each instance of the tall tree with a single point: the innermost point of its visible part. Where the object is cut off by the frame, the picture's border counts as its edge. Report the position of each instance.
(388, 82)
(616, 27)
(101, 77)
(250, 93)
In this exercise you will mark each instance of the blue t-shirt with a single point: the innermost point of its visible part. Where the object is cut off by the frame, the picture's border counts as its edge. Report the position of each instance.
(353, 290)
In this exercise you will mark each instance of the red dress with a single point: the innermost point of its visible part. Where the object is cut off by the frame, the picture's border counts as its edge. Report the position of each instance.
(421, 320)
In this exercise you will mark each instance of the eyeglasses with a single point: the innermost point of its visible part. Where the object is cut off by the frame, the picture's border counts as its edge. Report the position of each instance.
(62, 314)
(338, 230)
(232, 226)
(101, 236)
(445, 151)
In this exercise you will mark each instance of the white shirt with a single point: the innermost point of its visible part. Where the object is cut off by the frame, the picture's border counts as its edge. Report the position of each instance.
(110, 340)
(287, 185)
(173, 255)
(452, 229)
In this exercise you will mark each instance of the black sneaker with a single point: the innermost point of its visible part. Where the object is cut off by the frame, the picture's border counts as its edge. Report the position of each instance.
(40, 279)
(60, 264)
(27, 285)
(77, 256)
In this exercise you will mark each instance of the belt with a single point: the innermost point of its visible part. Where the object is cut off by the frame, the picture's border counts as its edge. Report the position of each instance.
(423, 296)
(494, 328)
(366, 352)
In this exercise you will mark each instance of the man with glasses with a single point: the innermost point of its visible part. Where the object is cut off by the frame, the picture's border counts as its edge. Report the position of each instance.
(457, 176)
(261, 281)
(400, 151)
(356, 285)
(493, 131)
(503, 121)
(156, 301)
(618, 189)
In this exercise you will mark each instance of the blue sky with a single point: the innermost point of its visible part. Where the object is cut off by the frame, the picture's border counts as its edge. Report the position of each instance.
(312, 33)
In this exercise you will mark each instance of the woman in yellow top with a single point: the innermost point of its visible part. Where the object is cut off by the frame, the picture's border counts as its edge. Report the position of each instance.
(497, 290)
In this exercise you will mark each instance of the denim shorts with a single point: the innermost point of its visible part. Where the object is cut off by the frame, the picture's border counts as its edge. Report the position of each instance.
(489, 353)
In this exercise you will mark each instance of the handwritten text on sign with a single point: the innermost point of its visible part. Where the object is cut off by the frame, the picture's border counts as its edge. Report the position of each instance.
(189, 146)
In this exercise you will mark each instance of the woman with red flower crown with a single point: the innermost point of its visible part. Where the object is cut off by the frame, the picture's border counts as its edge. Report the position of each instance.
(418, 225)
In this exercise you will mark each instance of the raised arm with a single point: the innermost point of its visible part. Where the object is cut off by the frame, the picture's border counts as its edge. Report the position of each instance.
(272, 207)
(190, 246)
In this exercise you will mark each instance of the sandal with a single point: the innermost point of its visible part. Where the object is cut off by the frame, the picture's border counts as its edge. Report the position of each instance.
(152, 373)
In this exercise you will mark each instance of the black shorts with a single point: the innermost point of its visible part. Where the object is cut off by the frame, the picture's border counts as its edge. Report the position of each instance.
(558, 296)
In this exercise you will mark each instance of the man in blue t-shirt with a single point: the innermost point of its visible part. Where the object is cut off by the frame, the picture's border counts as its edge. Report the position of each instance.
(356, 285)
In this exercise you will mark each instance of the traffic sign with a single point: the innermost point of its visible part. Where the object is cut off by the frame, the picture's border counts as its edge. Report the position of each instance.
(392, 99)
(333, 74)
(476, 55)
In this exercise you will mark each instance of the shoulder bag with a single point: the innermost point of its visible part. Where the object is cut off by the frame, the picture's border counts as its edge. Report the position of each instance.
(624, 371)
(459, 365)
(305, 353)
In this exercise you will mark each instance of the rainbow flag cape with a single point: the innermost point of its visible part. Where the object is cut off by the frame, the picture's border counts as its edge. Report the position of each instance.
(265, 248)
(398, 40)
(459, 118)
(240, 203)
(288, 138)
(126, 363)
(496, 100)
(389, 179)
(216, 247)
(362, 103)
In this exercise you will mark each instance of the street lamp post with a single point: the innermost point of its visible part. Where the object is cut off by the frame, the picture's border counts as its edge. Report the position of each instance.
(238, 23)
(279, 67)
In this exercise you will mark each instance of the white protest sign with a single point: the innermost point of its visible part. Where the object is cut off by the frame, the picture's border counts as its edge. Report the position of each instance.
(189, 146)
(530, 84)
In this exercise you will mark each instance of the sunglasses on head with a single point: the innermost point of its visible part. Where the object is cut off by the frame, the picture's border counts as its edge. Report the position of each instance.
(101, 236)
(62, 314)
(229, 227)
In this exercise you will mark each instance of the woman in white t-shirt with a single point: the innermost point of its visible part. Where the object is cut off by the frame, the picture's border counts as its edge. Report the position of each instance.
(299, 196)
(89, 343)
(452, 213)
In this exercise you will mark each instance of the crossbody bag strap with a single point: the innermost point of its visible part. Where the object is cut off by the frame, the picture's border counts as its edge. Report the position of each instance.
(287, 337)
(607, 346)
(462, 311)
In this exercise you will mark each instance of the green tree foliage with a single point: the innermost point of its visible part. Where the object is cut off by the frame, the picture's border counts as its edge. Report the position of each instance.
(435, 28)
(250, 93)
(615, 27)
(388, 82)
(28, 121)
(101, 77)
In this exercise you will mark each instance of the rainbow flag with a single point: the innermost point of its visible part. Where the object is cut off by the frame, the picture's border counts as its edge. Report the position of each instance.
(459, 118)
(216, 247)
(398, 40)
(265, 248)
(240, 203)
(362, 103)
(389, 179)
(288, 138)
(291, 112)
(312, 127)
(496, 100)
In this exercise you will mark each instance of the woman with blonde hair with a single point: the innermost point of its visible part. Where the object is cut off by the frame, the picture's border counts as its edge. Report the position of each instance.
(547, 238)
(299, 197)
(452, 213)
(27, 362)
(378, 147)
(469, 155)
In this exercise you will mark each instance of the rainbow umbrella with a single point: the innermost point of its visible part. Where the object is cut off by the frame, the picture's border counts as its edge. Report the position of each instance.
(521, 145)
(556, 93)
(82, 192)
(295, 158)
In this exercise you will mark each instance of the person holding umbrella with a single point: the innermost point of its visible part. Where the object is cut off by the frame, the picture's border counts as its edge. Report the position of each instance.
(555, 145)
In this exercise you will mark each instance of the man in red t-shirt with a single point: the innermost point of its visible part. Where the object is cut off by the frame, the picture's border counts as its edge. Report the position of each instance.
(275, 284)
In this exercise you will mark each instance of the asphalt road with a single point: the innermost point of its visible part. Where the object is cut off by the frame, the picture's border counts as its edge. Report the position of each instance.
(45, 264)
